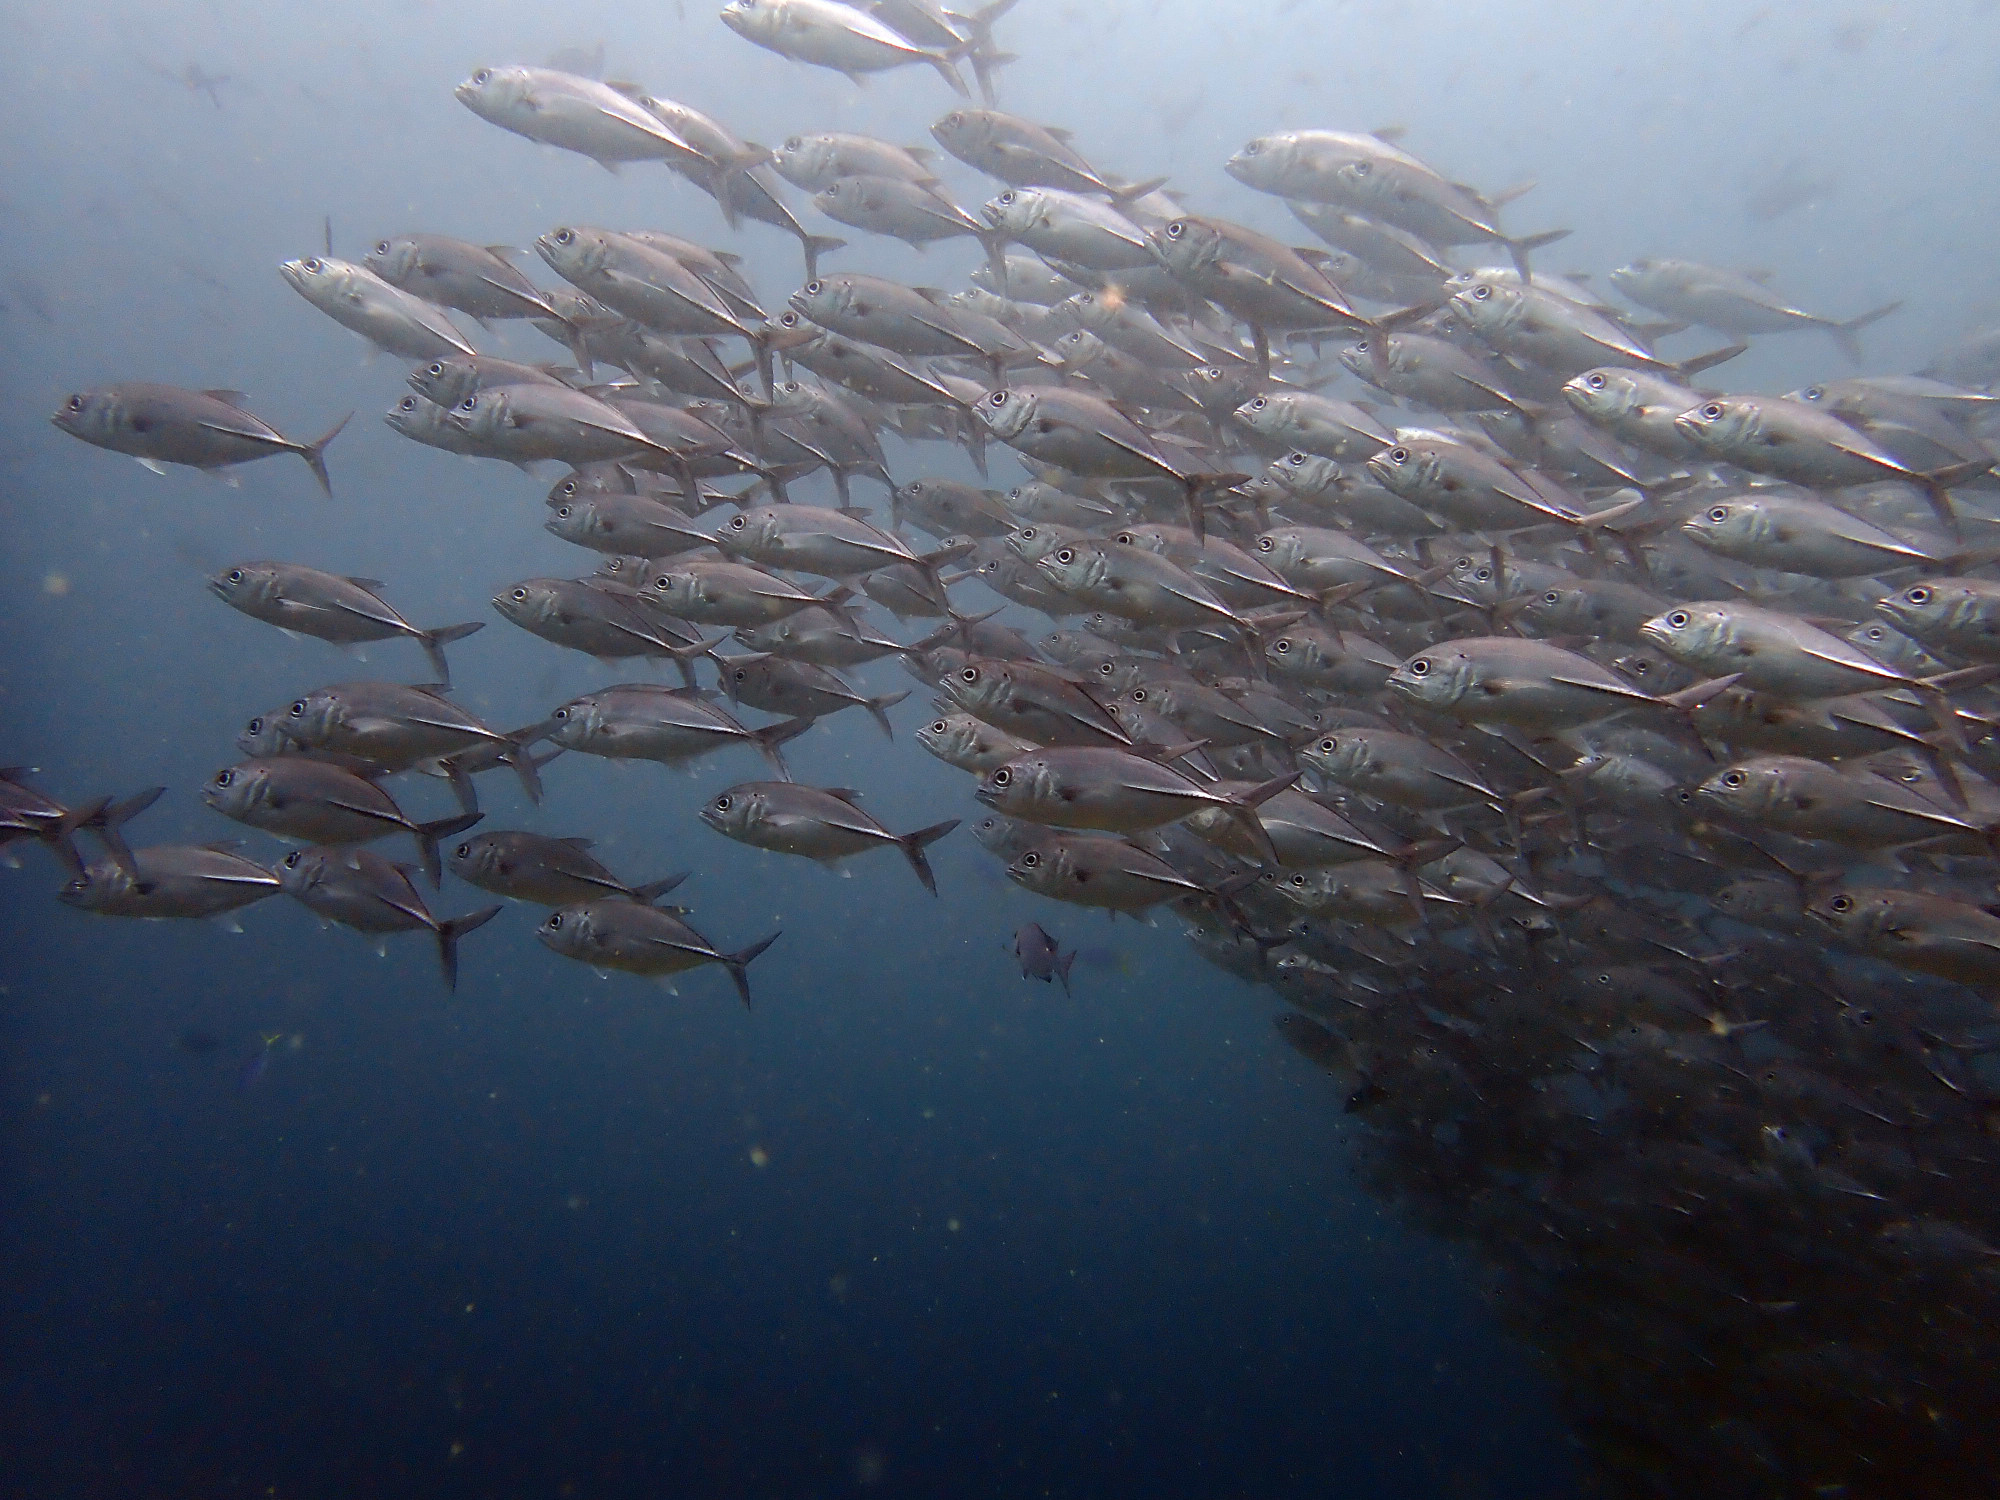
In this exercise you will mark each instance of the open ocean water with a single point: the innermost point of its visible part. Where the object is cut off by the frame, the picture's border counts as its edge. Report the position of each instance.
(282, 1217)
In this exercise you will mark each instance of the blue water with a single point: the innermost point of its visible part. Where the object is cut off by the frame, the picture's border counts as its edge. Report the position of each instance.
(912, 1225)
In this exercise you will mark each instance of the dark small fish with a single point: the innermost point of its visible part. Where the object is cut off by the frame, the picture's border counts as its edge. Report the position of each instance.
(1041, 957)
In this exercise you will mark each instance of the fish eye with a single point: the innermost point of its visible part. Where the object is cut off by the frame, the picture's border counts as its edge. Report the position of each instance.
(1258, 404)
(1718, 513)
(1003, 777)
(795, 143)
(1253, 148)
(724, 802)
(1595, 382)
(381, 247)
(434, 368)
(1139, 695)
(1282, 647)
(561, 713)
(737, 522)
(224, 778)
(1814, 392)
(568, 487)
(663, 582)
(314, 265)
(1712, 410)
(563, 511)
(555, 921)
(1678, 619)
(1363, 168)
(299, 709)
(1066, 555)
(1733, 778)
(76, 403)
(1421, 667)
(235, 575)
(1299, 881)
(255, 726)
(1841, 904)
(998, 398)
(463, 851)
(1553, 596)
(470, 403)
(939, 726)
(970, 674)
(484, 75)
(292, 860)
(1328, 745)
(1918, 595)
(1482, 574)
(1399, 455)
(520, 595)
(1265, 544)
(1176, 229)
(564, 236)
(1481, 293)
(408, 403)
(1030, 860)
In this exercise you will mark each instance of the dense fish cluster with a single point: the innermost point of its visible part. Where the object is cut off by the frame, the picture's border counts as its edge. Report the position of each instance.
(1601, 764)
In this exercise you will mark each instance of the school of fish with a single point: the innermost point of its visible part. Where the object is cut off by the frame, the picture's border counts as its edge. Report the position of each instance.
(1600, 764)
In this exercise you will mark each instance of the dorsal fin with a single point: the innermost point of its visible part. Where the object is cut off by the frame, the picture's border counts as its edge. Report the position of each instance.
(1390, 134)
(632, 91)
(578, 843)
(846, 794)
(1059, 133)
(367, 583)
(232, 398)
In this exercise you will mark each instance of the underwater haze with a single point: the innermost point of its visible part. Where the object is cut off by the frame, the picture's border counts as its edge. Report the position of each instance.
(1265, 1194)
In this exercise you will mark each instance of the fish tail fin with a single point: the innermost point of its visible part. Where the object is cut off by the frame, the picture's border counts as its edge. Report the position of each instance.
(1125, 196)
(739, 963)
(1687, 369)
(60, 838)
(771, 736)
(1194, 484)
(877, 709)
(816, 245)
(109, 818)
(943, 62)
(448, 934)
(461, 783)
(434, 642)
(427, 836)
(315, 454)
(1937, 490)
(652, 890)
(1844, 332)
(1518, 250)
(913, 850)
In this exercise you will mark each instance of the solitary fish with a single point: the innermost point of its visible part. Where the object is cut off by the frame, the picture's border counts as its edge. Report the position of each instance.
(641, 939)
(825, 824)
(1041, 957)
(164, 424)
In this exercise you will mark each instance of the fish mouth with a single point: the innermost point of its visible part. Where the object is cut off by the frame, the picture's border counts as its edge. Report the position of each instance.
(986, 796)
